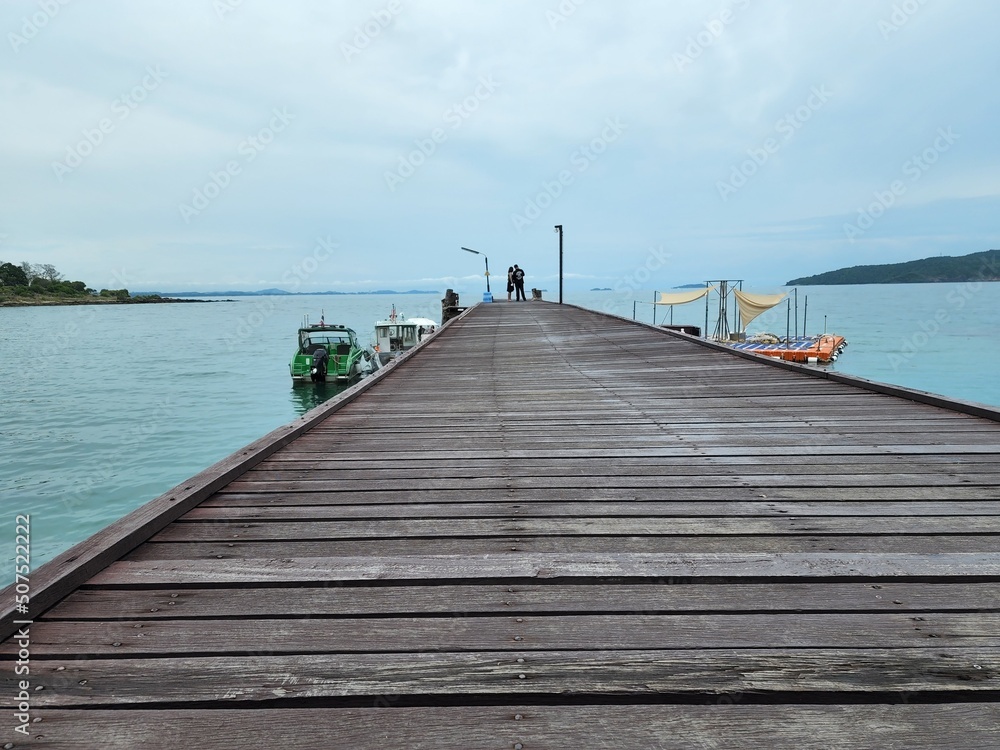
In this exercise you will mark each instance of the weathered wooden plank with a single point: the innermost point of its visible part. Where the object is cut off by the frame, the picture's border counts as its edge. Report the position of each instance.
(676, 424)
(511, 545)
(663, 598)
(830, 473)
(722, 437)
(599, 394)
(284, 461)
(456, 494)
(692, 418)
(593, 402)
(244, 484)
(632, 631)
(300, 450)
(367, 528)
(596, 509)
(542, 566)
(231, 680)
(969, 726)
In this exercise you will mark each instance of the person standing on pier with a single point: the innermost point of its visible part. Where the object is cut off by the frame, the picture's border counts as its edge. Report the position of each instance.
(510, 282)
(519, 282)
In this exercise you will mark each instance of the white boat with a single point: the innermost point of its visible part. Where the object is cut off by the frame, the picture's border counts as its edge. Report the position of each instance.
(397, 333)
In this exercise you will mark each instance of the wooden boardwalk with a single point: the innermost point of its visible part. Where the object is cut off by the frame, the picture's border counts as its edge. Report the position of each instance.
(546, 528)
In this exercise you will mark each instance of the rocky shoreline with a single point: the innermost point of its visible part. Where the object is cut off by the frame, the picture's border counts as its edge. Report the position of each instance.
(90, 300)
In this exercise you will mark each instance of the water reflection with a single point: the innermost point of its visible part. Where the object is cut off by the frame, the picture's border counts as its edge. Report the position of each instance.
(306, 396)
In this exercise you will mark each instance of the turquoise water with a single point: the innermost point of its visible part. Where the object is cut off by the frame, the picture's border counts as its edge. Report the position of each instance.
(104, 408)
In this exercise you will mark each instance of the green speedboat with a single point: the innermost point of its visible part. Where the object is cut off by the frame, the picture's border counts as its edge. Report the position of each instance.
(344, 360)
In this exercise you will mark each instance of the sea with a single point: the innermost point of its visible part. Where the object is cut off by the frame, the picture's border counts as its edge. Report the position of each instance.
(103, 408)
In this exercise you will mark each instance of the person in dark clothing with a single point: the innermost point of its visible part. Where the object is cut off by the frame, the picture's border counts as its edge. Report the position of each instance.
(519, 282)
(320, 357)
(510, 282)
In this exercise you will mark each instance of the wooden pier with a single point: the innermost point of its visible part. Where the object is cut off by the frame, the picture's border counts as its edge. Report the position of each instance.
(546, 528)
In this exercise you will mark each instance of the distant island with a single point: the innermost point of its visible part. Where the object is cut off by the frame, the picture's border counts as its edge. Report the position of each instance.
(984, 266)
(601, 289)
(689, 286)
(42, 284)
(31, 284)
(282, 292)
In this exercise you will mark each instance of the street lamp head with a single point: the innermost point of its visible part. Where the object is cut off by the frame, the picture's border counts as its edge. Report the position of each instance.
(488, 297)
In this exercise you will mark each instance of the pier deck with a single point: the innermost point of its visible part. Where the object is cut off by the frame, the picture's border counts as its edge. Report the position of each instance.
(546, 528)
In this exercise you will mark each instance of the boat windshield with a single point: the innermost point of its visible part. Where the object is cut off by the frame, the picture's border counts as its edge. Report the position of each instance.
(330, 340)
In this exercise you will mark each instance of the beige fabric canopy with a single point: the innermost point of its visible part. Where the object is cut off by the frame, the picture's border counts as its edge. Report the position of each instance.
(682, 298)
(752, 305)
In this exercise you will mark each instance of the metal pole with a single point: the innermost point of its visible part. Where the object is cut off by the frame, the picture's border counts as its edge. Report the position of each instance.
(788, 322)
(476, 252)
(796, 312)
(633, 309)
(736, 313)
(805, 315)
(707, 295)
(559, 228)
(654, 307)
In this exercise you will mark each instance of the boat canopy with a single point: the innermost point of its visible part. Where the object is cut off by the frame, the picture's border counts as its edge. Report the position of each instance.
(329, 338)
(752, 305)
(682, 298)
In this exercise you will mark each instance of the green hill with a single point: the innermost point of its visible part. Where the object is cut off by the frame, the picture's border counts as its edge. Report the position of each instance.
(983, 266)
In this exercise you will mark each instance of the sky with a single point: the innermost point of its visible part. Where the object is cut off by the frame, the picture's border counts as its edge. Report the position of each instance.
(206, 145)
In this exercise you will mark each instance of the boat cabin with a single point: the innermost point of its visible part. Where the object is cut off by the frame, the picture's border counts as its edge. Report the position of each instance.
(335, 339)
(396, 336)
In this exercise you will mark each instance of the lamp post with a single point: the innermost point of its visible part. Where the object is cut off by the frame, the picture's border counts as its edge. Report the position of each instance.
(559, 229)
(488, 297)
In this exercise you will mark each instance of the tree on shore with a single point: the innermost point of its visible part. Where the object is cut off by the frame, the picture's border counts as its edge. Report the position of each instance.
(11, 275)
(29, 272)
(38, 280)
(48, 271)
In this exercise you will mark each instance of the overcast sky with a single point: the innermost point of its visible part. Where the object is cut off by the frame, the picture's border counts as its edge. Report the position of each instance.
(227, 144)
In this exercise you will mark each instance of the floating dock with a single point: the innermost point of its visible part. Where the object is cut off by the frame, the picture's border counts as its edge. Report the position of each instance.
(822, 349)
(545, 527)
